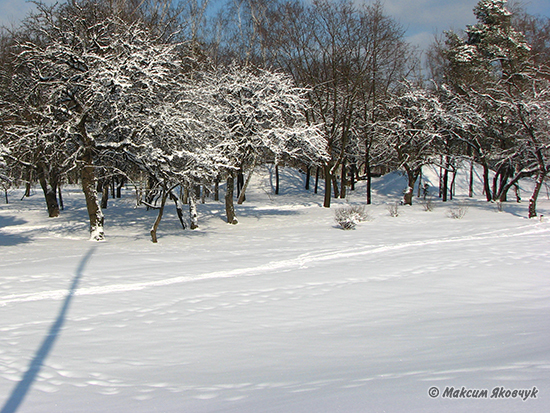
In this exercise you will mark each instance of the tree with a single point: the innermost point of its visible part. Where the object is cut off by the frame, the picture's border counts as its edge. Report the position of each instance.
(96, 74)
(412, 123)
(263, 114)
(491, 67)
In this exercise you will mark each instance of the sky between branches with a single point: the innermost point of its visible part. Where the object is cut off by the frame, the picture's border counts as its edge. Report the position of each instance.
(421, 18)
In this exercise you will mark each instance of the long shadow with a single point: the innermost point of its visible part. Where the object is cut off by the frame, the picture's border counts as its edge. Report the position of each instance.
(11, 239)
(23, 387)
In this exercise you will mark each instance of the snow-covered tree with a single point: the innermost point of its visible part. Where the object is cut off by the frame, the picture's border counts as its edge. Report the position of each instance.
(492, 50)
(412, 123)
(263, 114)
(96, 75)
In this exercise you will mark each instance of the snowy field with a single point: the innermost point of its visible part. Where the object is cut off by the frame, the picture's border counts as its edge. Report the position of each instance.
(284, 312)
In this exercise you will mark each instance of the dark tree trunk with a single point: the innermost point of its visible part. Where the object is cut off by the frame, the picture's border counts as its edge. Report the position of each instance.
(105, 194)
(242, 196)
(335, 186)
(412, 175)
(155, 227)
(308, 176)
(352, 175)
(277, 180)
(217, 189)
(229, 206)
(535, 195)
(240, 181)
(440, 176)
(343, 182)
(60, 196)
(179, 208)
(119, 186)
(49, 187)
(328, 187)
(445, 184)
(486, 185)
(419, 184)
(471, 180)
(452, 187)
(28, 183)
(89, 185)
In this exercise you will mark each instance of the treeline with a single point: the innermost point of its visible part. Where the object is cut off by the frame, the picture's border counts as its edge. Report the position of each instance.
(104, 92)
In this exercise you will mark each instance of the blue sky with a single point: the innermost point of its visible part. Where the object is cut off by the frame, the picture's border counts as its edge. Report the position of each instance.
(421, 18)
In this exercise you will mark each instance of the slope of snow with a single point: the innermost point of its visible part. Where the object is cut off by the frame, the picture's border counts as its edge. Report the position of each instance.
(284, 312)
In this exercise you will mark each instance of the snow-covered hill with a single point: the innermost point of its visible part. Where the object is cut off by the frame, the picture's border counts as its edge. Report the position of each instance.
(284, 312)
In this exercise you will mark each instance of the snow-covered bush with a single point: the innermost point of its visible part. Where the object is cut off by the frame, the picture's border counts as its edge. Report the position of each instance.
(350, 215)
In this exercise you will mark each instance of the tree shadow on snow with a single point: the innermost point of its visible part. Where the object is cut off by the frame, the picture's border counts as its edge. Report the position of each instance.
(20, 391)
(11, 239)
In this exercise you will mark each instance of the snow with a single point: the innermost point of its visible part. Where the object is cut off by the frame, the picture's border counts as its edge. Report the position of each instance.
(284, 312)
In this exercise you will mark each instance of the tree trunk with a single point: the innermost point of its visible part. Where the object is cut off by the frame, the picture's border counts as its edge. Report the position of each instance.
(89, 185)
(328, 187)
(240, 181)
(154, 229)
(193, 216)
(440, 175)
(229, 206)
(419, 184)
(471, 181)
(445, 187)
(217, 189)
(308, 176)
(369, 181)
(452, 187)
(335, 186)
(242, 196)
(105, 194)
(119, 186)
(486, 185)
(352, 174)
(179, 208)
(343, 182)
(276, 179)
(185, 197)
(28, 183)
(49, 187)
(60, 196)
(533, 200)
(412, 175)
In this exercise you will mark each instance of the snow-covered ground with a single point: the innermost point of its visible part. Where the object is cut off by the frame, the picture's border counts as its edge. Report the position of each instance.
(284, 312)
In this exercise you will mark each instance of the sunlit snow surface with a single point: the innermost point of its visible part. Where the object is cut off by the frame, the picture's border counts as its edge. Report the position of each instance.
(284, 312)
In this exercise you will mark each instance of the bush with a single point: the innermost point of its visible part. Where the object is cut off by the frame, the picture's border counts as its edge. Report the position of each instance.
(393, 209)
(427, 204)
(458, 211)
(350, 215)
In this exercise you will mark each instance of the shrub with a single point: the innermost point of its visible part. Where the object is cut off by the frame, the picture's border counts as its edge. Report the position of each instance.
(427, 204)
(458, 211)
(350, 215)
(393, 209)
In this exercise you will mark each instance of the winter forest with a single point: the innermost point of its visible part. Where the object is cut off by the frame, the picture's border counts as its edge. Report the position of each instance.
(173, 101)
(299, 211)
